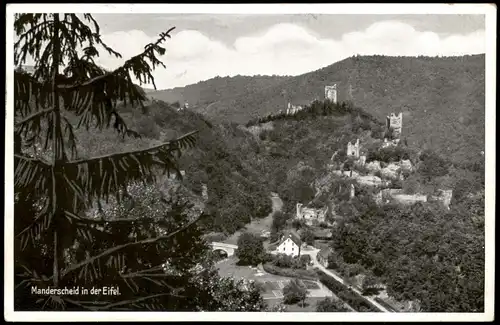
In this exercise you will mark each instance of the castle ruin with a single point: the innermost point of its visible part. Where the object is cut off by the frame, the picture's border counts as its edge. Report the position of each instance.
(331, 93)
(292, 109)
(310, 216)
(395, 122)
(353, 149)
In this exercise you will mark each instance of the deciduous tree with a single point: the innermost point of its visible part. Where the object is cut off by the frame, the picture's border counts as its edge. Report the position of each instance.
(250, 249)
(293, 292)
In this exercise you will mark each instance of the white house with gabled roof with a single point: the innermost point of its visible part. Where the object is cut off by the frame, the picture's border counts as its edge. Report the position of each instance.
(290, 245)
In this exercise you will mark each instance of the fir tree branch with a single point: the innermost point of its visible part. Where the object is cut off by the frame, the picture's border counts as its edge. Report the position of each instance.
(126, 67)
(37, 115)
(160, 146)
(105, 176)
(123, 246)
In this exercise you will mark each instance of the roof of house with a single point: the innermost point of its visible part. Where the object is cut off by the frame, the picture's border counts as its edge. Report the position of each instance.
(293, 236)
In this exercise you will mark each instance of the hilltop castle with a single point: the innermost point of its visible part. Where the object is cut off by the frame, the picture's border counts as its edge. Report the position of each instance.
(395, 122)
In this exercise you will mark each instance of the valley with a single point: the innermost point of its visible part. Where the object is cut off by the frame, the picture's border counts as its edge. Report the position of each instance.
(294, 155)
(328, 207)
(306, 158)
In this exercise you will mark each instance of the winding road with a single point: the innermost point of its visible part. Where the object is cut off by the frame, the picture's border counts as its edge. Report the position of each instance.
(314, 253)
(277, 205)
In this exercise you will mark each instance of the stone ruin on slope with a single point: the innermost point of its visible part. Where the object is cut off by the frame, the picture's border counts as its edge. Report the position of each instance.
(331, 93)
(394, 122)
(353, 149)
(309, 215)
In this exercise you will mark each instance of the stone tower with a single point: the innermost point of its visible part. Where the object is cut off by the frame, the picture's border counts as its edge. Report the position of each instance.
(395, 122)
(331, 93)
(352, 192)
(353, 150)
(299, 210)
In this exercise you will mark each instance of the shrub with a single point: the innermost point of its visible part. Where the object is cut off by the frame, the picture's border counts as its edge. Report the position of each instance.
(305, 259)
(286, 261)
(283, 260)
(291, 273)
(330, 305)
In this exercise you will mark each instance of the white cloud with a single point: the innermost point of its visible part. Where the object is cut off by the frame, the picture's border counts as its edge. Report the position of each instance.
(283, 49)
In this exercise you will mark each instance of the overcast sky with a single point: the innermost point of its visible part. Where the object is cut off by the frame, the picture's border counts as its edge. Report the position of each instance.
(207, 45)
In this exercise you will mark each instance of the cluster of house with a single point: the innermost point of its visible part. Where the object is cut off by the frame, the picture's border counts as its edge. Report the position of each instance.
(291, 245)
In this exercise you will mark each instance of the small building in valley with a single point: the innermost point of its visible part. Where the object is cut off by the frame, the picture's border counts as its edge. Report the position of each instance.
(290, 244)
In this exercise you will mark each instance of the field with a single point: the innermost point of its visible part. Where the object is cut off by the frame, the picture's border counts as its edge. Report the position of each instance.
(272, 285)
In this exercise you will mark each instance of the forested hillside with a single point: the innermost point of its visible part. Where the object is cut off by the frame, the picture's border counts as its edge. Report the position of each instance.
(220, 161)
(421, 252)
(442, 98)
(83, 139)
(203, 93)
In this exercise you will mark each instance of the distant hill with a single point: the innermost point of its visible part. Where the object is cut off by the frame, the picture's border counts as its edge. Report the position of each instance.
(442, 98)
(148, 90)
(203, 93)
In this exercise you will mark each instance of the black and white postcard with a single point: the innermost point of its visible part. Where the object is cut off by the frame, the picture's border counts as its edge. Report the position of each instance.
(328, 162)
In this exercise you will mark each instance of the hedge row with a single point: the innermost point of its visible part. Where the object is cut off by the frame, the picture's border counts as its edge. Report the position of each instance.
(354, 300)
(292, 273)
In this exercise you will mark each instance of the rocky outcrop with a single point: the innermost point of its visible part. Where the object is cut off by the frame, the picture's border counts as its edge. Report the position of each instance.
(391, 171)
(374, 166)
(370, 180)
